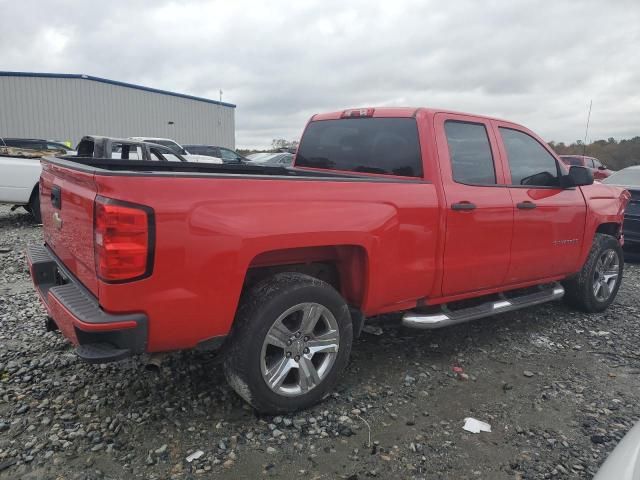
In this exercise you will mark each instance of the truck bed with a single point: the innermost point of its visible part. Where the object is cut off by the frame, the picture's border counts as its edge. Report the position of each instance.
(214, 225)
(106, 166)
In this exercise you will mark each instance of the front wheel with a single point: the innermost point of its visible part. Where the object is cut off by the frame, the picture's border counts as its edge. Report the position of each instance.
(595, 287)
(290, 341)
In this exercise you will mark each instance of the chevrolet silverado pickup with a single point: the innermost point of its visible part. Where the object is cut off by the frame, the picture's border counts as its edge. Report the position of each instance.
(441, 217)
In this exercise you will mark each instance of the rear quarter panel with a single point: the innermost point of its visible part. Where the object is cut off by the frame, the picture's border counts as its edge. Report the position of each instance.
(209, 230)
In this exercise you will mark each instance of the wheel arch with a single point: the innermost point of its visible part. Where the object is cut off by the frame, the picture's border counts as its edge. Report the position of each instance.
(35, 190)
(345, 267)
(613, 229)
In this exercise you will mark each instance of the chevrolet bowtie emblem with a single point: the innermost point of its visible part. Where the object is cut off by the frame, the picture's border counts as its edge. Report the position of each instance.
(57, 221)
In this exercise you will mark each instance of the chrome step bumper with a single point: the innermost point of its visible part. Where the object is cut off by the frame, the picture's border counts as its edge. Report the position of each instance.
(446, 317)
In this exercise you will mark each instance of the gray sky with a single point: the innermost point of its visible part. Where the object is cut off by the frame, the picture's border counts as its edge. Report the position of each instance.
(537, 63)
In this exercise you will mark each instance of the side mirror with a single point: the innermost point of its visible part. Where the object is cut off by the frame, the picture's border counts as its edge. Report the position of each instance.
(577, 177)
(602, 167)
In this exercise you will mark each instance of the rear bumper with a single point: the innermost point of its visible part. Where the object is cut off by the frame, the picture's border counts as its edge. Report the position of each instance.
(98, 336)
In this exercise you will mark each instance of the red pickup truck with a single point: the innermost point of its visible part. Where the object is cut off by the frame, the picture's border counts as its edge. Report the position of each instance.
(385, 210)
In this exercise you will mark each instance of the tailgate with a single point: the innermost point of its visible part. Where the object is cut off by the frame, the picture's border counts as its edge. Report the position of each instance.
(67, 202)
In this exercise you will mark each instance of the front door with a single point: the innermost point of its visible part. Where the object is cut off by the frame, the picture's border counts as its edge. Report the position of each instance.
(479, 218)
(549, 221)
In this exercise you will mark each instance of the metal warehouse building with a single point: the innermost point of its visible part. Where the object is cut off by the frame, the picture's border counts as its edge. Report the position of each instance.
(67, 106)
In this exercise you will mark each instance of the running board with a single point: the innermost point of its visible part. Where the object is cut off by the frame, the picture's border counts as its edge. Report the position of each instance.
(446, 317)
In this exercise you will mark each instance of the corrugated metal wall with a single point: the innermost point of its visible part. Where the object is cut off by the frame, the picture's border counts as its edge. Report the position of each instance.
(68, 108)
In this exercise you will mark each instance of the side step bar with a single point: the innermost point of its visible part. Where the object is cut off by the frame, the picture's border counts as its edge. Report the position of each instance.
(446, 317)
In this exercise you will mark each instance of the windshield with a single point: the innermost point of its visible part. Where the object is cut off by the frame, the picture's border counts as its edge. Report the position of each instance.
(628, 177)
(173, 146)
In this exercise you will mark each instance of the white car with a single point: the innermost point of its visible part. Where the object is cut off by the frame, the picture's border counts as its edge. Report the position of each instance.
(19, 177)
(177, 148)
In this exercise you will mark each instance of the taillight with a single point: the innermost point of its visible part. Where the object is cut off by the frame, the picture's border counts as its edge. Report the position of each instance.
(123, 240)
(358, 113)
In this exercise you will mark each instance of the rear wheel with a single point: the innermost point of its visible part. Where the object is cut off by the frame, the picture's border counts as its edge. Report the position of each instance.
(34, 205)
(291, 339)
(595, 287)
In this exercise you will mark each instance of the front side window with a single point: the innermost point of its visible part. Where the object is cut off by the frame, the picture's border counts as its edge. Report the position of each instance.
(530, 163)
(387, 146)
(470, 153)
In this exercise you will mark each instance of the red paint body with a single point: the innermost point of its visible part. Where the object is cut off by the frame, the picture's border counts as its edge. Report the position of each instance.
(394, 244)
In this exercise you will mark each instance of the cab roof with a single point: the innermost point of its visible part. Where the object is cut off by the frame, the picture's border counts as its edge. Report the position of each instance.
(398, 112)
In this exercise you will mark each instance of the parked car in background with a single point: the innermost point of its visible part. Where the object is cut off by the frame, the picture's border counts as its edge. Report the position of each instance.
(599, 170)
(227, 155)
(629, 178)
(19, 175)
(272, 159)
(396, 210)
(36, 144)
(179, 149)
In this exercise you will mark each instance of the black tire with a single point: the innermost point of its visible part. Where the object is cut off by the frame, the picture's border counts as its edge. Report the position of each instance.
(260, 307)
(579, 289)
(34, 205)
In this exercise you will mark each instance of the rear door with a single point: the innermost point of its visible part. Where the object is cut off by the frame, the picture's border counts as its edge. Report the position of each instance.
(479, 215)
(549, 221)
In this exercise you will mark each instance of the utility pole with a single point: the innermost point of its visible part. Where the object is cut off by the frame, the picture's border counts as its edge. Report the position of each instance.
(221, 95)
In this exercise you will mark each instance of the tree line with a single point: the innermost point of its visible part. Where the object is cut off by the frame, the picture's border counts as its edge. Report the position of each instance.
(614, 154)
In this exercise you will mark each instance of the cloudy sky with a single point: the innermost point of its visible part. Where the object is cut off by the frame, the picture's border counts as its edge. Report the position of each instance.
(534, 62)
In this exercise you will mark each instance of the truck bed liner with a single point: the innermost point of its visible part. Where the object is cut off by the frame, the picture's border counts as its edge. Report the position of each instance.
(132, 166)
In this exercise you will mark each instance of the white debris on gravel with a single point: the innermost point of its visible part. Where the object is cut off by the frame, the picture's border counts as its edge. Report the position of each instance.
(475, 426)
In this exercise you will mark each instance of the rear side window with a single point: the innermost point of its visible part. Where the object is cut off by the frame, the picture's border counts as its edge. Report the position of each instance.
(530, 163)
(370, 145)
(470, 153)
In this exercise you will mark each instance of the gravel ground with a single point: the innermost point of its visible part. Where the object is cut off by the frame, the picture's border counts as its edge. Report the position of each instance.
(559, 388)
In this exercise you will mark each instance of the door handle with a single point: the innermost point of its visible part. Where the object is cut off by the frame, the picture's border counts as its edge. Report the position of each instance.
(56, 197)
(463, 206)
(527, 205)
